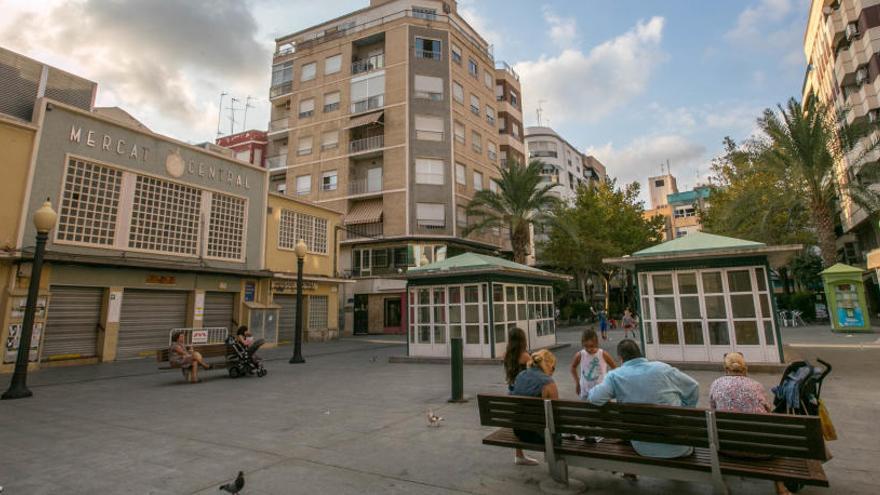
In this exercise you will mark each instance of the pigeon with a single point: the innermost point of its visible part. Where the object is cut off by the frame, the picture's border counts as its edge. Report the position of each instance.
(373, 359)
(433, 419)
(235, 486)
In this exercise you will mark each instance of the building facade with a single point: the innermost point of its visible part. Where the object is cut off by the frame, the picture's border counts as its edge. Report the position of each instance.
(842, 48)
(248, 146)
(680, 209)
(564, 164)
(389, 114)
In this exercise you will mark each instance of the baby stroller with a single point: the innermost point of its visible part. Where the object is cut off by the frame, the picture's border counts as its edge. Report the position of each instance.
(798, 393)
(241, 362)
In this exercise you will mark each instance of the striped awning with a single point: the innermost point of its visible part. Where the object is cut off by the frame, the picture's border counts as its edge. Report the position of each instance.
(365, 212)
(370, 118)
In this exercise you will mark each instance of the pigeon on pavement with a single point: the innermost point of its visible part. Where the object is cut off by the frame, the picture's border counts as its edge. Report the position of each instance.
(235, 486)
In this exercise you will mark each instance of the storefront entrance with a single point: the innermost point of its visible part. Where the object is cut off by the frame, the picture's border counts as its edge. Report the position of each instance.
(219, 310)
(147, 318)
(361, 314)
(73, 322)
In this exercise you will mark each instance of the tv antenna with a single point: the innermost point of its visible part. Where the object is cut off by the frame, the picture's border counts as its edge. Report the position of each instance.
(232, 108)
(247, 104)
(220, 113)
(540, 111)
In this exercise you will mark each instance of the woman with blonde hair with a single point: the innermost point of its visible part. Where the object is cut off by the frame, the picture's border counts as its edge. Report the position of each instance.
(536, 381)
(516, 360)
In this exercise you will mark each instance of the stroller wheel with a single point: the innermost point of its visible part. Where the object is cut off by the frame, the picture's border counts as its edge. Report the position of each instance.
(261, 372)
(793, 486)
(234, 372)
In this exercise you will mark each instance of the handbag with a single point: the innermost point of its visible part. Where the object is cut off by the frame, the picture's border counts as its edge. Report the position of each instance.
(828, 430)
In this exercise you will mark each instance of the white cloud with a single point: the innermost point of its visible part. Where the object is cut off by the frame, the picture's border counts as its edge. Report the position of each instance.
(585, 87)
(563, 30)
(641, 157)
(751, 22)
(468, 10)
(768, 26)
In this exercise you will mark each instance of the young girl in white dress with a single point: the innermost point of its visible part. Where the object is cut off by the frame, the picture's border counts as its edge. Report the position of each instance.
(590, 364)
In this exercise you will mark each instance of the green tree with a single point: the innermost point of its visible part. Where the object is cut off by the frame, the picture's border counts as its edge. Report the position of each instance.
(805, 142)
(604, 222)
(521, 200)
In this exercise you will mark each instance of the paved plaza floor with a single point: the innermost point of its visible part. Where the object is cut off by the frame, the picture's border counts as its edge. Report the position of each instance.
(346, 422)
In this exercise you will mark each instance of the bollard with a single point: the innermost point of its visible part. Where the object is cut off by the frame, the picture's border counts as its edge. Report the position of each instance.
(457, 362)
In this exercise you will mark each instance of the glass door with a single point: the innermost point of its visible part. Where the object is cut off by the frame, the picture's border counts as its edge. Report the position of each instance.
(692, 317)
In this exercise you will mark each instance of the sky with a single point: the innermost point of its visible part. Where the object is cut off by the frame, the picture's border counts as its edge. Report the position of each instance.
(633, 82)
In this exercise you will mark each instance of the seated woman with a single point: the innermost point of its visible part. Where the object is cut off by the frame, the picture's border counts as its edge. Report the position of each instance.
(186, 358)
(244, 337)
(536, 381)
(738, 393)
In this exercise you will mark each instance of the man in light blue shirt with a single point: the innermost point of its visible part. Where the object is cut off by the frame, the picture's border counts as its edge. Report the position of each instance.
(647, 382)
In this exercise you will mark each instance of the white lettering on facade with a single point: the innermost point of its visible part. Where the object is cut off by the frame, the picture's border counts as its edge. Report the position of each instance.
(212, 172)
(201, 170)
(120, 145)
(75, 134)
(134, 152)
(90, 139)
(105, 143)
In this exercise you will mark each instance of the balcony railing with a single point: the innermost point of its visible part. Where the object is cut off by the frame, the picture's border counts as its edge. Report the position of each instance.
(368, 104)
(279, 124)
(502, 65)
(276, 162)
(431, 224)
(368, 64)
(429, 54)
(365, 186)
(281, 89)
(366, 144)
(364, 231)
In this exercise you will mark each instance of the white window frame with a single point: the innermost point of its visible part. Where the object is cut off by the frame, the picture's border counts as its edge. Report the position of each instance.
(461, 174)
(459, 137)
(429, 128)
(333, 64)
(427, 215)
(476, 141)
(475, 104)
(332, 143)
(299, 180)
(478, 180)
(308, 72)
(458, 92)
(306, 108)
(428, 87)
(334, 182)
(431, 171)
(300, 149)
(332, 101)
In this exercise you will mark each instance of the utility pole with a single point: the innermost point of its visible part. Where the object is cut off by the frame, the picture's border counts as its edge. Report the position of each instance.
(232, 109)
(247, 104)
(220, 112)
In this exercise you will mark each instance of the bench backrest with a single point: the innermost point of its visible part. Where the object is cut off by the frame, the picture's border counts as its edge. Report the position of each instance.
(641, 422)
(771, 434)
(508, 411)
(210, 350)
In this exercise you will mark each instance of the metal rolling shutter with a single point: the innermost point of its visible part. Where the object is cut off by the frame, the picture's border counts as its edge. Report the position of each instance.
(146, 320)
(286, 318)
(218, 309)
(72, 323)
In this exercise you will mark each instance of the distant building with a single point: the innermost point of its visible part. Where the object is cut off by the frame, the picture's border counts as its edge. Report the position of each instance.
(564, 164)
(248, 146)
(660, 187)
(685, 208)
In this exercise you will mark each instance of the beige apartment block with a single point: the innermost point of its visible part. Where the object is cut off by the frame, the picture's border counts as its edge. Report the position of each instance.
(391, 114)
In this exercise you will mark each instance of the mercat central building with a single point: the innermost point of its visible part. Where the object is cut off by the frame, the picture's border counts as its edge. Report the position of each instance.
(396, 115)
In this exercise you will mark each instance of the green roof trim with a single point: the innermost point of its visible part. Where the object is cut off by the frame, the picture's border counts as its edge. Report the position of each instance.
(698, 241)
(840, 268)
(474, 261)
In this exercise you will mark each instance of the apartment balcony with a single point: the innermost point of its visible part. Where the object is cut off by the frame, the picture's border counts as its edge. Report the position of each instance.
(367, 104)
(365, 231)
(368, 64)
(431, 224)
(281, 89)
(279, 125)
(502, 65)
(429, 54)
(365, 144)
(276, 162)
(370, 185)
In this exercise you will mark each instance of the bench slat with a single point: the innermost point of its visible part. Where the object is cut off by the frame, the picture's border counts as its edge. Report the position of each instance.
(504, 437)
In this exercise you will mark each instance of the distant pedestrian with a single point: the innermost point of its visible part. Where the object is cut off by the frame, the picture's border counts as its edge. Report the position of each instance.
(516, 360)
(629, 323)
(186, 358)
(603, 321)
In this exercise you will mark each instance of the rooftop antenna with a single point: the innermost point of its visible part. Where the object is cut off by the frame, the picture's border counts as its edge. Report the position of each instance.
(232, 109)
(220, 112)
(540, 111)
(668, 170)
(247, 104)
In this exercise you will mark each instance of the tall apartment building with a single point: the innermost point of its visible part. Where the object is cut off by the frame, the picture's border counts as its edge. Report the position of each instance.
(659, 189)
(564, 164)
(391, 114)
(842, 47)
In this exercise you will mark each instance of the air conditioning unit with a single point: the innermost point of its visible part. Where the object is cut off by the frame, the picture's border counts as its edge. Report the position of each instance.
(861, 76)
(852, 30)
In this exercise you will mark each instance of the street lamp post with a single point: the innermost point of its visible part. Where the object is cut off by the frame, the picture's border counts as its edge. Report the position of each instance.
(298, 329)
(44, 221)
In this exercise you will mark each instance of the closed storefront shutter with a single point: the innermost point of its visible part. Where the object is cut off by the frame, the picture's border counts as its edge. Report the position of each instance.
(287, 318)
(147, 318)
(72, 323)
(218, 309)
(318, 316)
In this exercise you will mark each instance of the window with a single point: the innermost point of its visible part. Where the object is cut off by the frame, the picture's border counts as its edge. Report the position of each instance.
(476, 141)
(367, 92)
(472, 67)
(333, 64)
(475, 105)
(460, 174)
(492, 151)
(295, 226)
(658, 183)
(514, 99)
(243, 155)
(165, 216)
(499, 92)
(459, 132)
(430, 171)
(461, 216)
(427, 48)
(89, 204)
(457, 92)
(318, 313)
(488, 80)
(330, 140)
(478, 181)
(328, 181)
(226, 227)
(429, 128)
(308, 72)
(424, 13)
(304, 146)
(303, 185)
(431, 215)
(490, 115)
(456, 54)
(306, 108)
(429, 87)
(282, 79)
(493, 185)
(502, 124)
(331, 102)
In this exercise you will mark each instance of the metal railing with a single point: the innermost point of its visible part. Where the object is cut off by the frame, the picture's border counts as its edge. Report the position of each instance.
(368, 104)
(431, 224)
(368, 64)
(364, 186)
(366, 144)
(276, 162)
(279, 124)
(429, 54)
(281, 89)
(502, 65)
(364, 231)
(204, 336)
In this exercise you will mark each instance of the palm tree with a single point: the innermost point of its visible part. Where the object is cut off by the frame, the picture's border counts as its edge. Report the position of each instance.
(520, 201)
(807, 141)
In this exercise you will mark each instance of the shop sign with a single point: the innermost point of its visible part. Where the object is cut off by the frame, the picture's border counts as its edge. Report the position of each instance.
(161, 279)
(250, 290)
(290, 286)
(199, 337)
(13, 339)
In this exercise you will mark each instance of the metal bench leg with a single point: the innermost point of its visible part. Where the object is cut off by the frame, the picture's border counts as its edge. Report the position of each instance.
(560, 483)
(720, 487)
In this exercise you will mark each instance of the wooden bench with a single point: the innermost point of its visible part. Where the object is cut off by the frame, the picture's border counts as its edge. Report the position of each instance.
(790, 448)
(213, 354)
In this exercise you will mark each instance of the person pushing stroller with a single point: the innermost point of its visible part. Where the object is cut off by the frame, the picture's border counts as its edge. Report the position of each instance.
(245, 348)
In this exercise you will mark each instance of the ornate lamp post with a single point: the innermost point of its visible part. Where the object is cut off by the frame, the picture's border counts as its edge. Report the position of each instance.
(44, 221)
(298, 329)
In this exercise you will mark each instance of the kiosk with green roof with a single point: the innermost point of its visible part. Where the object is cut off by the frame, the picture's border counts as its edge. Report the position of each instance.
(478, 298)
(845, 293)
(704, 295)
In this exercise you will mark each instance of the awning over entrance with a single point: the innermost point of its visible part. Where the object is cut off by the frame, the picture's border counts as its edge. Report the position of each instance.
(365, 212)
(371, 118)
